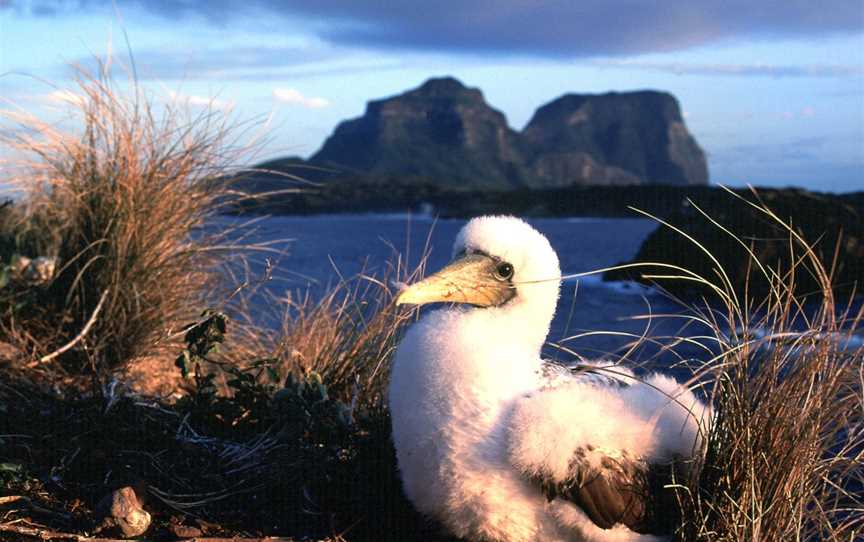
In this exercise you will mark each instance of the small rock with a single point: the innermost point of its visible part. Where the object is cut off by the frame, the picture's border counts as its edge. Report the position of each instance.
(33, 271)
(122, 508)
(41, 270)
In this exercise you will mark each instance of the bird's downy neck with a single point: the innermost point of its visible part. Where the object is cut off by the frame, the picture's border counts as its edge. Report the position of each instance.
(493, 351)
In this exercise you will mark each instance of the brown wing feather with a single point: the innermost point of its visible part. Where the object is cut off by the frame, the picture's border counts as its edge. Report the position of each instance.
(623, 491)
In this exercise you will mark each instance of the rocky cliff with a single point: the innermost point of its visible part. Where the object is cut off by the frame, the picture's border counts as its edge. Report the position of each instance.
(634, 136)
(441, 130)
(446, 133)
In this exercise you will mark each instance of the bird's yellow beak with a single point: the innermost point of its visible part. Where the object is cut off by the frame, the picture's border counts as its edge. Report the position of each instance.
(471, 279)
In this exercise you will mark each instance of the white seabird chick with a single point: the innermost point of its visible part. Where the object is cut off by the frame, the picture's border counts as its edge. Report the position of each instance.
(498, 445)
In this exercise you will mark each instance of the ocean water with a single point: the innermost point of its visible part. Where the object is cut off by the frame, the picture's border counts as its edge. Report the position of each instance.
(594, 318)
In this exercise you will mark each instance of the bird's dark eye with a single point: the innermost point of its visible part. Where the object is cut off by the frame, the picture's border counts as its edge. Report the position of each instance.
(504, 271)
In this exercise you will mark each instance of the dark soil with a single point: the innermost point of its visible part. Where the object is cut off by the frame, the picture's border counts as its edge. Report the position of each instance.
(200, 469)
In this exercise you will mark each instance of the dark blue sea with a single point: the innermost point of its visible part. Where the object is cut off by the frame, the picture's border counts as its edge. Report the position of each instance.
(594, 318)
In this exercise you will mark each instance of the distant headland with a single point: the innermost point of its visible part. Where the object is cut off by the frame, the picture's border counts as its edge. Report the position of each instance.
(440, 147)
(444, 135)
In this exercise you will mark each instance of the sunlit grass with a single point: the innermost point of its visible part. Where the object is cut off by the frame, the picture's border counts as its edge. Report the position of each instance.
(784, 453)
(118, 201)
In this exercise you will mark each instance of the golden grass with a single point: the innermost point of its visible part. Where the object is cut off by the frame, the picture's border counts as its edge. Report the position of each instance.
(120, 202)
(784, 454)
(346, 337)
(784, 458)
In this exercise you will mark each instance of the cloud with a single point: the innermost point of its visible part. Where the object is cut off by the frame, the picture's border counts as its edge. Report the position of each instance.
(805, 113)
(244, 64)
(817, 162)
(218, 63)
(758, 70)
(200, 101)
(564, 29)
(295, 97)
(792, 150)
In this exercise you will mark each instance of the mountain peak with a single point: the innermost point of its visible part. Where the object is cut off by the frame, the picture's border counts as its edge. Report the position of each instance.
(445, 131)
(640, 132)
(441, 130)
(442, 85)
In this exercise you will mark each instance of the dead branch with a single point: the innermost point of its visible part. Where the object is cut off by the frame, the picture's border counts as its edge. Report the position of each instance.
(77, 339)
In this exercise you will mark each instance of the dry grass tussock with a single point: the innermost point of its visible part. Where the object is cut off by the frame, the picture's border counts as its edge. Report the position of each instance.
(785, 453)
(118, 203)
(346, 337)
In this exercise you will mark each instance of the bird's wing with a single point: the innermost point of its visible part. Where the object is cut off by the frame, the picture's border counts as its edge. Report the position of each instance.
(590, 444)
(598, 372)
(615, 491)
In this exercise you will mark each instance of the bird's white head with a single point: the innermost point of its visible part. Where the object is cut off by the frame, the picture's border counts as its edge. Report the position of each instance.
(500, 263)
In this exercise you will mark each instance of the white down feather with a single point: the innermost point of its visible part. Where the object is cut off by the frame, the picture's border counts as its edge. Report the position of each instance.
(473, 413)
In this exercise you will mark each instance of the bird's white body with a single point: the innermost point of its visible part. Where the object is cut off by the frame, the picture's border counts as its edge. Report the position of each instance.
(449, 429)
(474, 415)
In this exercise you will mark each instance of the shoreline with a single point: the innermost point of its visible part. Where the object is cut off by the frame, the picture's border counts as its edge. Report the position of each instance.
(361, 197)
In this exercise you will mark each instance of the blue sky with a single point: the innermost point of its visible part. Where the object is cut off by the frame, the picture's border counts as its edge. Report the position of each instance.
(773, 90)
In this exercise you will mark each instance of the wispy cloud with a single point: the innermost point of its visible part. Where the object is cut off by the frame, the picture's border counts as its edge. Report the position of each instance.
(247, 64)
(746, 70)
(821, 162)
(219, 63)
(792, 150)
(201, 101)
(295, 97)
(563, 29)
(806, 112)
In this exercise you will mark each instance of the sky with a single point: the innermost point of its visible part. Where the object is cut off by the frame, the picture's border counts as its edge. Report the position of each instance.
(773, 91)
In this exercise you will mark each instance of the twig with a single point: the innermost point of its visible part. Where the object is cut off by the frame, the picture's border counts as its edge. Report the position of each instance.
(77, 339)
(45, 534)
